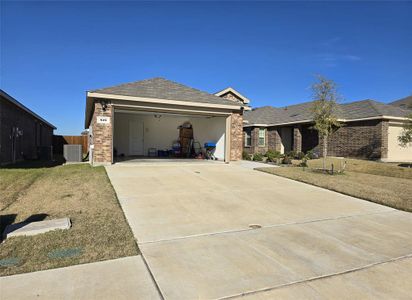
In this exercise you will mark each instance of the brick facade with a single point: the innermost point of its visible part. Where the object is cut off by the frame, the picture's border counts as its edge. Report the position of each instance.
(232, 97)
(363, 139)
(274, 139)
(236, 136)
(102, 135)
(367, 139)
(297, 139)
(255, 148)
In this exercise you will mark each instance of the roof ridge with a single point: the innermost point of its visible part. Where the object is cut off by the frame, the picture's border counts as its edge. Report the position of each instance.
(373, 104)
(189, 87)
(127, 83)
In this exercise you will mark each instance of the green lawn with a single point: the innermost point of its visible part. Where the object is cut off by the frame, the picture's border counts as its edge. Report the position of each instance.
(383, 183)
(82, 193)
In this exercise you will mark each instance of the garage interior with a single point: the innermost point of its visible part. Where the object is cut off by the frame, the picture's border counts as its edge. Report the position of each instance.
(148, 134)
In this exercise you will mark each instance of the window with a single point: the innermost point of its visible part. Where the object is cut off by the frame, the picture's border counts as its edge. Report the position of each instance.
(248, 138)
(262, 137)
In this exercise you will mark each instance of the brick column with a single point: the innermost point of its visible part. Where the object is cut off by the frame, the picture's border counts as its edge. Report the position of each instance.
(297, 139)
(102, 135)
(274, 139)
(236, 136)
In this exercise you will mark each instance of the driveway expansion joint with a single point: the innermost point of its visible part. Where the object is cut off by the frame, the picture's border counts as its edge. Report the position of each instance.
(263, 227)
(368, 266)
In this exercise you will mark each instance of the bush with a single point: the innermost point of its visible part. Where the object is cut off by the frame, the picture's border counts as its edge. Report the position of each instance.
(245, 156)
(304, 162)
(257, 157)
(291, 154)
(310, 154)
(272, 155)
(286, 160)
(300, 155)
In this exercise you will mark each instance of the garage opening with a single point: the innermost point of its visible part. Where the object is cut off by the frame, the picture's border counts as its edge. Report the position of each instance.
(140, 134)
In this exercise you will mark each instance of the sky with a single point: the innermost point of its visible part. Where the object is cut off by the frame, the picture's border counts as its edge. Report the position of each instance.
(51, 53)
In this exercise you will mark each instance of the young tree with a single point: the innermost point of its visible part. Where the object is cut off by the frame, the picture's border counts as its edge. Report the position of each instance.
(406, 136)
(324, 107)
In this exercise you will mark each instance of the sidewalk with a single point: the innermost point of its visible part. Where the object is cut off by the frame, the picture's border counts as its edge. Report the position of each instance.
(123, 278)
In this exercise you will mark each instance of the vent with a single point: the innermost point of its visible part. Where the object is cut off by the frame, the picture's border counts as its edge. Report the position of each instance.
(72, 153)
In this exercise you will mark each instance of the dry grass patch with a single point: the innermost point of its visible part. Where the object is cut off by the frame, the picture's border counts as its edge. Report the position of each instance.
(365, 166)
(82, 193)
(391, 191)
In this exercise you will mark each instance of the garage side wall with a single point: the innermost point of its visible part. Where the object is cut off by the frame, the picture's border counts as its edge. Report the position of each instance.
(236, 136)
(365, 139)
(102, 135)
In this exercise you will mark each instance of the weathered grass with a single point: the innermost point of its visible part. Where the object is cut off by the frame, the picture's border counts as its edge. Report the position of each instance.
(80, 192)
(365, 166)
(392, 191)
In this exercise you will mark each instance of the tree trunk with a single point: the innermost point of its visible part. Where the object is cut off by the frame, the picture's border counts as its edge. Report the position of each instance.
(325, 150)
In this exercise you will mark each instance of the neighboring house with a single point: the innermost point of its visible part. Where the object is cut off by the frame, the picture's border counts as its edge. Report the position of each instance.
(405, 103)
(23, 134)
(141, 117)
(370, 130)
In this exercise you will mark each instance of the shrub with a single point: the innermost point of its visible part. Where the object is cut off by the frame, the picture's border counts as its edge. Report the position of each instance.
(272, 155)
(245, 155)
(286, 160)
(257, 157)
(304, 162)
(292, 154)
(310, 154)
(300, 155)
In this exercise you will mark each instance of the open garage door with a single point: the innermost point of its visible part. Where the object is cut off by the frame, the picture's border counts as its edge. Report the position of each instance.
(154, 134)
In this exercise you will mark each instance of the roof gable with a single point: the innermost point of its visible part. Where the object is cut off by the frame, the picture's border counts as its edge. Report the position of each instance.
(233, 95)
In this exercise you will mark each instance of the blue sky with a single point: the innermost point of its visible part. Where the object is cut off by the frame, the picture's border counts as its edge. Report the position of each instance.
(52, 52)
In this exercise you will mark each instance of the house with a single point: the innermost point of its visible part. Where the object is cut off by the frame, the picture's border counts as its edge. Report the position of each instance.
(142, 117)
(23, 134)
(370, 131)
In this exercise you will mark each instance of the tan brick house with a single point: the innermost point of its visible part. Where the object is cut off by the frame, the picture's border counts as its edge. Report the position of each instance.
(370, 131)
(142, 117)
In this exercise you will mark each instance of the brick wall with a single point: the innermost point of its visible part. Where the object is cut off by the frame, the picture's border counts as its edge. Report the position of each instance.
(274, 139)
(236, 137)
(232, 97)
(102, 135)
(254, 147)
(365, 139)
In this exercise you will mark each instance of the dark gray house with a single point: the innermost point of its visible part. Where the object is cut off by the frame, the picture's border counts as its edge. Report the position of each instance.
(370, 130)
(23, 134)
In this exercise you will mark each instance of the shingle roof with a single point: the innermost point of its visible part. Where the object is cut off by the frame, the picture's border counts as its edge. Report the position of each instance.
(160, 88)
(302, 112)
(403, 103)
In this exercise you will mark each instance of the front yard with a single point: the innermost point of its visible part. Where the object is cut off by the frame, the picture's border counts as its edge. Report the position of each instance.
(383, 183)
(84, 194)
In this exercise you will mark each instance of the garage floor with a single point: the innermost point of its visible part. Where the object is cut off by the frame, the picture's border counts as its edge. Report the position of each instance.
(212, 231)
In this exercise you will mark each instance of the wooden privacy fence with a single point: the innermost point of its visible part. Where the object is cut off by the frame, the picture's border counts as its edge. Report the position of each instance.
(60, 140)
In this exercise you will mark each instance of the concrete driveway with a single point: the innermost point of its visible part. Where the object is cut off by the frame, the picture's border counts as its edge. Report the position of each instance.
(212, 231)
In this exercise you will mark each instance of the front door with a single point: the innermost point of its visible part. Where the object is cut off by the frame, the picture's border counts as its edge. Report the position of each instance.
(136, 137)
